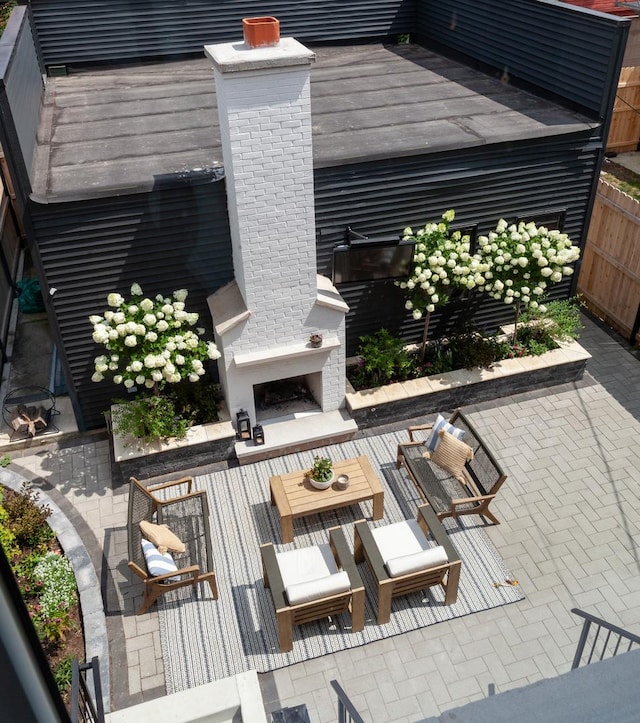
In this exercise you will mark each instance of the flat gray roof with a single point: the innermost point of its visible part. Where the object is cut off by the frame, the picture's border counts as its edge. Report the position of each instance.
(120, 130)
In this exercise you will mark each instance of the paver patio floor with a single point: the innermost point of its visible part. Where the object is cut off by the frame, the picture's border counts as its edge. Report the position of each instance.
(570, 513)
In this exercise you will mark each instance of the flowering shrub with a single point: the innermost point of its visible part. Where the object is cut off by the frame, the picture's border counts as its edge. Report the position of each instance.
(441, 260)
(522, 261)
(54, 580)
(150, 342)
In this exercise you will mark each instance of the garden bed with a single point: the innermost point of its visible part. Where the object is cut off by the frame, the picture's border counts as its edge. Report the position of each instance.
(416, 397)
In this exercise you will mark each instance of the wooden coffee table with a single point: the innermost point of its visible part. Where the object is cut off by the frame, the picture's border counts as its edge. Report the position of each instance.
(295, 496)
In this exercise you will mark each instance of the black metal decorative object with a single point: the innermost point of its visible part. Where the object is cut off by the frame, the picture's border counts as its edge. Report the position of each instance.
(243, 425)
(258, 434)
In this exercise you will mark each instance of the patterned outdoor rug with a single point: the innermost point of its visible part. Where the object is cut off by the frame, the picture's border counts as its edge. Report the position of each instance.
(204, 640)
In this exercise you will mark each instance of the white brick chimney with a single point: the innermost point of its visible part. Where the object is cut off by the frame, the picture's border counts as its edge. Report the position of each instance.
(263, 319)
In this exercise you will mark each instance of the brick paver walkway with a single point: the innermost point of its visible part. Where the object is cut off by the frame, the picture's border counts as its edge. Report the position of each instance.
(571, 514)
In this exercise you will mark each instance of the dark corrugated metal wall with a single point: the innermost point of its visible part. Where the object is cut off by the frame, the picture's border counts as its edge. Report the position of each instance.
(87, 31)
(558, 47)
(482, 185)
(168, 239)
(21, 90)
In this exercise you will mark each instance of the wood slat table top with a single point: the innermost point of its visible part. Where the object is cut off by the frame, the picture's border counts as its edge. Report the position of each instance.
(294, 493)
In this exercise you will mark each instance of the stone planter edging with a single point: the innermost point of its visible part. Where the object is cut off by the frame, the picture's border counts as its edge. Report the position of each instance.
(404, 400)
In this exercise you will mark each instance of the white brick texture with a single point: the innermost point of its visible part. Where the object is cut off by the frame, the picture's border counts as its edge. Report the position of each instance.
(265, 127)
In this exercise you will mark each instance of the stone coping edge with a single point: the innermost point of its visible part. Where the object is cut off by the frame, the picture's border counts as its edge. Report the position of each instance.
(94, 622)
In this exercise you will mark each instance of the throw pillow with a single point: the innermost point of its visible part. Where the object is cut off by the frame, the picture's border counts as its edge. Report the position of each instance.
(162, 537)
(157, 563)
(432, 440)
(451, 455)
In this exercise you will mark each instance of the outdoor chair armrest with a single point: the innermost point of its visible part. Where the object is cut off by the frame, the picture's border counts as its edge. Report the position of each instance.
(436, 529)
(467, 500)
(271, 575)
(418, 428)
(191, 571)
(138, 570)
(180, 498)
(362, 531)
(173, 483)
(344, 558)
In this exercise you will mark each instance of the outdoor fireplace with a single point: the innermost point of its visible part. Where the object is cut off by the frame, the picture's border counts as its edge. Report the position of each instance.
(264, 318)
(284, 397)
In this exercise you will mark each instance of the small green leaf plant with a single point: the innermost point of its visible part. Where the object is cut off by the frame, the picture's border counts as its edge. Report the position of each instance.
(322, 469)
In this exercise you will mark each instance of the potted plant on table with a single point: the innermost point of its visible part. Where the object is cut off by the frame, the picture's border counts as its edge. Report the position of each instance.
(321, 474)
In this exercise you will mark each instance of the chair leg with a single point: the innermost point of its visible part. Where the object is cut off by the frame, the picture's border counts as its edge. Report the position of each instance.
(285, 630)
(385, 593)
(357, 610)
(150, 596)
(490, 515)
(211, 579)
(451, 588)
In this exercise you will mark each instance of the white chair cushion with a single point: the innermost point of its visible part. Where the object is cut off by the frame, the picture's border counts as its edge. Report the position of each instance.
(326, 586)
(400, 539)
(306, 564)
(423, 560)
(158, 563)
(432, 441)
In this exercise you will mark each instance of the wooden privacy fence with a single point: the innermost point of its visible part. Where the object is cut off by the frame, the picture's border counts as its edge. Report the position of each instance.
(624, 133)
(609, 279)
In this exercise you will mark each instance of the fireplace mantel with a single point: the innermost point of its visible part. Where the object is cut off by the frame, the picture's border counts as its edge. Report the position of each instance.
(292, 351)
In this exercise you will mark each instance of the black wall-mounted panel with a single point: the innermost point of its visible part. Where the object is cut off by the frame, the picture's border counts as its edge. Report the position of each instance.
(79, 32)
(169, 239)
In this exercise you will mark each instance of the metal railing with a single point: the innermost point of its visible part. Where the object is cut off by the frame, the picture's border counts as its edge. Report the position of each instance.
(83, 707)
(346, 712)
(607, 641)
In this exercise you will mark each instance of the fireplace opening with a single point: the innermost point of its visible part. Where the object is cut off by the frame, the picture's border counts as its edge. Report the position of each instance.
(284, 397)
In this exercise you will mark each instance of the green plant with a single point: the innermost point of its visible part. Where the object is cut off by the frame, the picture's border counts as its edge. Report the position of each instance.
(26, 518)
(322, 469)
(561, 319)
(438, 360)
(63, 673)
(149, 342)
(469, 348)
(199, 403)
(5, 460)
(7, 538)
(383, 358)
(5, 12)
(149, 419)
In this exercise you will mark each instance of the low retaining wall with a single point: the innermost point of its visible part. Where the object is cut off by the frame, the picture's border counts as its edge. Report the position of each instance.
(462, 387)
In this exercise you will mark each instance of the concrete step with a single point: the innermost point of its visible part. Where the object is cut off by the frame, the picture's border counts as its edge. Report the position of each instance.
(297, 432)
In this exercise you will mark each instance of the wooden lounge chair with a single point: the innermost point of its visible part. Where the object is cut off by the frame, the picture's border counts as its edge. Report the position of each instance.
(448, 496)
(187, 516)
(403, 560)
(311, 583)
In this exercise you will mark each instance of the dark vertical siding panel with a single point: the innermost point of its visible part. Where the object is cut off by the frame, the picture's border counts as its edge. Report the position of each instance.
(21, 90)
(165, 240)
(482, 185)
(24, 85)
(88, 31)
(561, 48)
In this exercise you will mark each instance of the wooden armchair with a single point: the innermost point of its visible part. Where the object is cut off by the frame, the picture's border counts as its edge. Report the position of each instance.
(448, 496)
(187, 515)
(402, 559)
(311, 583)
